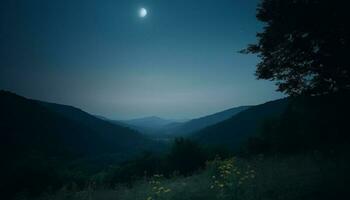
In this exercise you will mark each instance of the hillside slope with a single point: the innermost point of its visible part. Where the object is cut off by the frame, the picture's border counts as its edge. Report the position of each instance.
(234, 130)
(44, 145)
(28, 126)
(202, 122)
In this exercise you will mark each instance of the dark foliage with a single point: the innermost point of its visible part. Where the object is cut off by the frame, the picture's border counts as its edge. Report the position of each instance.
(184, 158)
(304, 45)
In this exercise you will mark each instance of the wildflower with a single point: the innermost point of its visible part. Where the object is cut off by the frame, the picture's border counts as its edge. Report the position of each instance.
(149, 198)
(167, 190)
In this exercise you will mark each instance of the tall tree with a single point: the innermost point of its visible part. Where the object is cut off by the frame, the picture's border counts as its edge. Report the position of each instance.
(304, 45)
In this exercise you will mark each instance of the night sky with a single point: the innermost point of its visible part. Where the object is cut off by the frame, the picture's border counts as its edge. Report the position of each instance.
(180, 61)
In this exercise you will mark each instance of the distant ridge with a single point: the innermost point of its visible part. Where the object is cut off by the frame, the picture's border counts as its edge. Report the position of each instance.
(183, 129)
(160, 127)
(148, 122)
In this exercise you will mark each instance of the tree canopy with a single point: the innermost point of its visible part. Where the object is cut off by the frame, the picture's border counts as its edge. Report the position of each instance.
(304, 45)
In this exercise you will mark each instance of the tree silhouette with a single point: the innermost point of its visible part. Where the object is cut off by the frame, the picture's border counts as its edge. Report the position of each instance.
(304, 45)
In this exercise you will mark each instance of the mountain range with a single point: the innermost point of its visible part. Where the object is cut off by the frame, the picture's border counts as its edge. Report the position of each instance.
(34, 126)
(153, 126)
(156, 126)
(49, 142)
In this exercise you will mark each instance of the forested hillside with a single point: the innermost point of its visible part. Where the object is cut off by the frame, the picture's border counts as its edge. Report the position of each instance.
(38, 138)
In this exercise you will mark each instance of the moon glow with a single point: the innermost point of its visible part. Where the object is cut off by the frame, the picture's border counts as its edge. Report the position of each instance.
(143, 12)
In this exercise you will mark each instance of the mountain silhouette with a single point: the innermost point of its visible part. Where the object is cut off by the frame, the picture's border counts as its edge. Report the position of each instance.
(160, 127)
(152, 122)
(152, 125)
(233, 131)
(183, 129)
(34, 127)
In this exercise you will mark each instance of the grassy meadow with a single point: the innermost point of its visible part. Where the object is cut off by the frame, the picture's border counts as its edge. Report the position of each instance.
(311, 176)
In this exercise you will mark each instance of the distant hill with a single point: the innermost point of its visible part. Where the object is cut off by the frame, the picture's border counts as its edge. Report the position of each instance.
(29, 126)
(233, 131)
(148, 122)
(159, 127)
(154, 126)
(183, 129)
